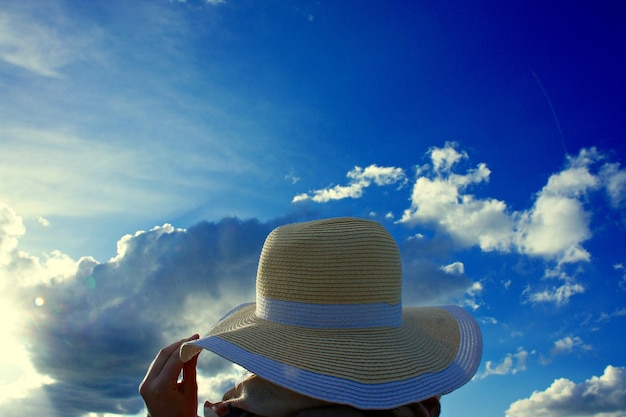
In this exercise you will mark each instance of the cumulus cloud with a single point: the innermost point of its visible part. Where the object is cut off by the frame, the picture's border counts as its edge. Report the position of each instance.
(603, 396)
(558, 223)
(11, 228)
(359, 179)
(85, 331)
(554, 227)
(92, 328)
(440, 198)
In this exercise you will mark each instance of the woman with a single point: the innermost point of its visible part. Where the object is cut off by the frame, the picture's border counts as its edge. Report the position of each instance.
(327, 335)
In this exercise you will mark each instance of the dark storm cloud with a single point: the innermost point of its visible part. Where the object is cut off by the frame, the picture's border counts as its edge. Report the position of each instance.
(95, 332)
(98, 331)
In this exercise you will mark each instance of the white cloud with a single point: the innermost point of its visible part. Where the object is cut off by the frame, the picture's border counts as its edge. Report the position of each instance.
(603, 396)
(455, 268)
(569, 344)
(292, 178)
(441, 200)
(472, 294)
(558, 294)
(444, 158)
(488, 320)
(558, 223)
(42, 221)
(511, 364)
(359, 180)
(11, 228)
(554, 228)
(615, 183)
(617, 313)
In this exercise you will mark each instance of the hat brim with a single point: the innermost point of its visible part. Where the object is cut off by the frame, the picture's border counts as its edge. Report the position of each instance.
(435, 351)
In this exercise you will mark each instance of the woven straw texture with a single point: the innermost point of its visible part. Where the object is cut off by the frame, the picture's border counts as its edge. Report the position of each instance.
(376, 355)
(328, 321)
(333, 261)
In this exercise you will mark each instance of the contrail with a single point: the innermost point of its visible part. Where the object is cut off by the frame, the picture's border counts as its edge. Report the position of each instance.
(556, 119)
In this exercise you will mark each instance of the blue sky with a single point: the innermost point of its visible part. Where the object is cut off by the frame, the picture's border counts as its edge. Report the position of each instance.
(146, 150)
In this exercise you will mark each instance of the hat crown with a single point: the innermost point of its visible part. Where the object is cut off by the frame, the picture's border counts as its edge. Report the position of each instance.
(332, 261)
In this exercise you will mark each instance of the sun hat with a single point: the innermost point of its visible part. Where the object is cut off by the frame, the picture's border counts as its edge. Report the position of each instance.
(328, 321)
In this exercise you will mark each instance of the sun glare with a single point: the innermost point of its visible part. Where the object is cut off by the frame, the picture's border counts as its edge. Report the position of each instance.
(18, 377)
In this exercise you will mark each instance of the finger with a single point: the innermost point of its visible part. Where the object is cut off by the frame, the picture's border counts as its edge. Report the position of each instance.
(159, 361)
(162, 357)
(173, 365)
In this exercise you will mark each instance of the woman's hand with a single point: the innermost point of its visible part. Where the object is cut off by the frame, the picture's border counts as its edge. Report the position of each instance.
(163, 394)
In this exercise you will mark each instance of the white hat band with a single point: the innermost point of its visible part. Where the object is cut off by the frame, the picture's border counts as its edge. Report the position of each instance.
(329, 316)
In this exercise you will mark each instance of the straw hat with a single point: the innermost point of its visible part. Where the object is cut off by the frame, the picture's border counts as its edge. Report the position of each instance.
(328, 321)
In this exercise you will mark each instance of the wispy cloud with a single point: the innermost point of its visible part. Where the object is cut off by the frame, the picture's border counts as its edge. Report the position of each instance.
(614, 180)
(42, 163)
(568, 344)
(559, 294)
(604, 395)
(565, 346)
(608, 316)
(117, 127)
(511, 364)
(44, 46)
(359, 179)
